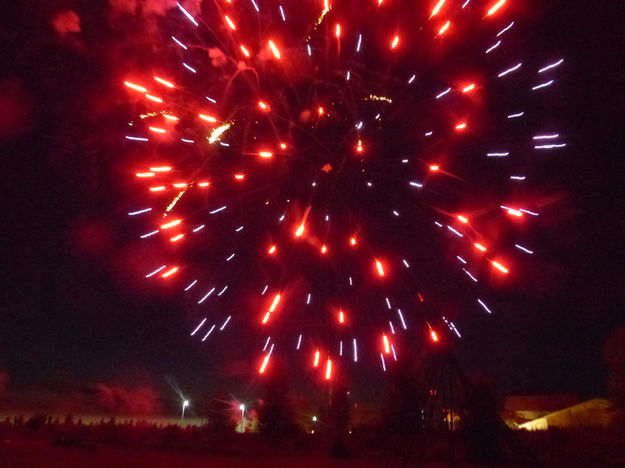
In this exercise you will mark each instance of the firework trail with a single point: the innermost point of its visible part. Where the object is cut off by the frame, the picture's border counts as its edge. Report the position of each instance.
(311, 172)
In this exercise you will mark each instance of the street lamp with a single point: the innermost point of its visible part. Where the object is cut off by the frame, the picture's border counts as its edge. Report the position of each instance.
(242, 408)
(185, 403)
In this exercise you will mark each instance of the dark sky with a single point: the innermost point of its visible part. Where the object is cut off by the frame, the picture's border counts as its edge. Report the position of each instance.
(67, 312)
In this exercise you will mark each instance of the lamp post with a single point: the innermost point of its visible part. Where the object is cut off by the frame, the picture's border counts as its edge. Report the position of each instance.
(242, 408)
(185, 403)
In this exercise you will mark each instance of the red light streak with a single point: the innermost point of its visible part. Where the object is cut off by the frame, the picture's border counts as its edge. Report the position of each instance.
(157, 130)
(169, 272)
(480, 247)
(434, 336)
(161, 169)
(316, 359)
(468, 88)
(153, 98)
(495, 7)
(208, 118)
(263, 366)
(463, 219)
(272, 250)
(329, 369)
(244, 51)
(274, 49)
(437, 8)
(230, 23)
(274, 304)
(136, 87)
(461, 126)
(380, 267)
(265, 154)
(499, 266)
(171, 224)
(395, 42)
(169, 84)
(176, 238)
(145, 174)
(444, 29)
(387, 345)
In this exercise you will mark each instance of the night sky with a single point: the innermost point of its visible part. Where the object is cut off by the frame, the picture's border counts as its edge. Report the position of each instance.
(71, 312)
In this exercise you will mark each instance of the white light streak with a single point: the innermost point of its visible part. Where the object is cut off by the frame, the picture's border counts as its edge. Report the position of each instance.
(406, 264)
(149, 234)
(193, 283)
(211, 99)
(264, 290)
(218, 210)
(542, 85)
(359, 43)
(546, 137)
(255, 6)
(517, 177)
(514, 116)
(464, 262)
(454, 231)
(470, 275)
(401, 319)
(308, 299)
(549, 67)
(188, 67)
(484, 305)
(209, 332)
(388, 303)
(230, 257)
(355, 351)
(510, 70)
(198, 327)
(206, 295)
(524, 249)
(299, 341)
(136, 138)
(443, 93)
(187, 14)
(412, 78)
(505, 29)
(239, 229)
(134, 213)
(489, 50)
(552, 146)
(383, 363)
(149, 275)
(187, 141)
(199, 228)
(416, 184)
(179, 43)
(226, 323)
(223, 290)
(497, 155)
(282, 13)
